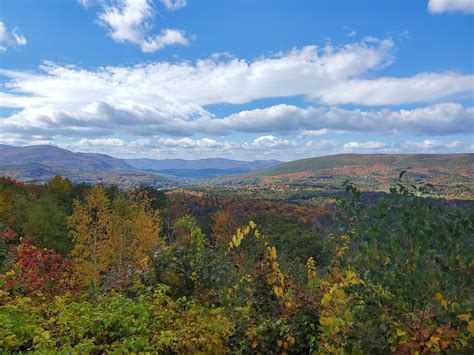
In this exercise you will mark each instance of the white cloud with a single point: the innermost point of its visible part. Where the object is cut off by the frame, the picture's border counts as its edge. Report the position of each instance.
(172, 98)
(85, 3)
(440, 119)
(432, 146)
(364, 145)
(130, 21)
(329, 74)
(441, 6)
(389, 90)
(101, 142)
(10, 38)
(269, 142)
(264, 147)
(167, 37)
(173, 5)
(370, 147)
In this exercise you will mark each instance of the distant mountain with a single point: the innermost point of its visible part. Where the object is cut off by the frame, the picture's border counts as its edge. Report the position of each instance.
(202, 168)
(394, 161)
(451, 174)
(40, 163)
(52, 156)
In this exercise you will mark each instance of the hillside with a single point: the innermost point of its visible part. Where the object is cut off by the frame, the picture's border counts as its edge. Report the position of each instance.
(41, 163)
(452, 174)
(394, 161)
(57, 157)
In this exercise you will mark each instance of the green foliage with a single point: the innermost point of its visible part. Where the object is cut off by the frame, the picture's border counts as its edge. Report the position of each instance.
(394, 276)
(113, 323)
(45, 225)
(184, 262)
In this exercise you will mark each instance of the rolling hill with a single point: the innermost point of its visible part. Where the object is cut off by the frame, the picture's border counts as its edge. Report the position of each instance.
(452, 174)
(52, 156)
(394, 161)
(42, 162)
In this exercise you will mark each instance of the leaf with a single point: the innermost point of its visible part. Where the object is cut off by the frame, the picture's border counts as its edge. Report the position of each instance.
(401, 332)
(273, 253)
(340, 294)
(465, 317)
(277, 291)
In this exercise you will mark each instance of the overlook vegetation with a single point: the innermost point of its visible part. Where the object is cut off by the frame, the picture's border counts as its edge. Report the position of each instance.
(95, 269)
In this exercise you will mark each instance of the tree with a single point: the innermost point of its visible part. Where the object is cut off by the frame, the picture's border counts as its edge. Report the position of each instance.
(222, 229)
(90, 229)
(183, 262)
(41, 269)
(136, 234)
(114, 241)
(61, 189)
(157, 198)
(45, 225)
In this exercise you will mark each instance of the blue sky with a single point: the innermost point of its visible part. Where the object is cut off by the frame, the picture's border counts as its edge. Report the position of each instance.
(238, 79)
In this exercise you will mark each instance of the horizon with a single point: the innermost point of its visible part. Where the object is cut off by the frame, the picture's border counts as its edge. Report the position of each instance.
(292, 80)
(243, 160)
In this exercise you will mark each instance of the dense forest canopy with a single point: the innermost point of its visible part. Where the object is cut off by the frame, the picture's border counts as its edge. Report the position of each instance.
(98, 269)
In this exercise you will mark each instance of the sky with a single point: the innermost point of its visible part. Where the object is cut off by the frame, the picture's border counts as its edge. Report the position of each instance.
(239, 79)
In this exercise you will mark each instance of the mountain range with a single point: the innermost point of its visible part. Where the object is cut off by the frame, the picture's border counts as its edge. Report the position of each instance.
(56, 157)
(41, 162)
(374, 171)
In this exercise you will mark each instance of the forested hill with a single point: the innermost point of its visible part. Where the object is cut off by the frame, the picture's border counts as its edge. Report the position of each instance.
(445, 162)
(41, 162)
(452, 174)
(52, 156)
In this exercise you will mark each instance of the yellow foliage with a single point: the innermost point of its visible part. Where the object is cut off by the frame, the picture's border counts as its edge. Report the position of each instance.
(278, 291)
(465, 316)
(311, 267)
(273, 253)
(440, 298)
(117, 238)
(470, 327)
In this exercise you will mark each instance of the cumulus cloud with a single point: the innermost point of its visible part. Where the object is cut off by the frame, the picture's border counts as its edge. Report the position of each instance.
(269, 142)
(439, 119)
(364, 145)
(10, 38)
(130, 21)
(174, 85)
(173, 5)
(330, 75)
(172, 98)
(441, 6)
(421, 87)
(263, 147)
(160, 147)
(430, 145)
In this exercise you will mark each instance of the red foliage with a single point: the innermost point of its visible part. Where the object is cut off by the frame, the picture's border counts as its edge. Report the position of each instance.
(8, 234)
(42, 270)
(12, 181)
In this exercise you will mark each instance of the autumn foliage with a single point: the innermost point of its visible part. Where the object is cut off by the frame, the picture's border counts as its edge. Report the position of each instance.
(99, 270)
